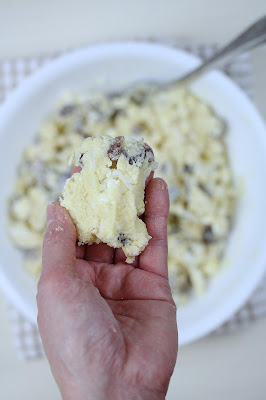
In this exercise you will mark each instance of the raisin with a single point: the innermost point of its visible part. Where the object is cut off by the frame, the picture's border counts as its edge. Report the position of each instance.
(134, 159)
(204, 189)
(145, 153)
(148, 152)
(114, 114)
(131, 159)
(115, 150)
(208, 235)
(188, 168)
(123, 239)
(81, 163)
(138, 97)
(67, 109)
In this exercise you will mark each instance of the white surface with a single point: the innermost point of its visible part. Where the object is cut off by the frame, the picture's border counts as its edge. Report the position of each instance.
(120, 64)
(229, 367)
(30, 25)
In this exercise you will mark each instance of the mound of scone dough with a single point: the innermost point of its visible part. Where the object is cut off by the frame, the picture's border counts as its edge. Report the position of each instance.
(107, 196)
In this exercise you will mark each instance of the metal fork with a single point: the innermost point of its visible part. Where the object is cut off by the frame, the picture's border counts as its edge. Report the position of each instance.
(252, 37)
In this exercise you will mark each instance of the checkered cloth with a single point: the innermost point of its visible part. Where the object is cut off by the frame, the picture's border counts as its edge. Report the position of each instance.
(12, 72)
(26, 337)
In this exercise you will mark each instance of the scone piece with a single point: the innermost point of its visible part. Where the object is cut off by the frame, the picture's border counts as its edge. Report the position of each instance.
(107, 196)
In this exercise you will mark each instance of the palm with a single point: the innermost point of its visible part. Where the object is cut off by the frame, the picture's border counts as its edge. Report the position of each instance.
(143, 335)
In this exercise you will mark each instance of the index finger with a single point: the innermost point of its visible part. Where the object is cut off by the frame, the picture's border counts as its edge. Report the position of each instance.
(154, 256)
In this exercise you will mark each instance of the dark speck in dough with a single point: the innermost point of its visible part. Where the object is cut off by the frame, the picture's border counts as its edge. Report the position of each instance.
(208, 235)
(67, 109)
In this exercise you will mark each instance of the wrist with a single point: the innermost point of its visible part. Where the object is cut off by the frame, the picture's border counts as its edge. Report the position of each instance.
(114, 392)
(135, 393)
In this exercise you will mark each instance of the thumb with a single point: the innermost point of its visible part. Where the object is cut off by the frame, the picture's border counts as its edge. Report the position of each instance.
(59, 246)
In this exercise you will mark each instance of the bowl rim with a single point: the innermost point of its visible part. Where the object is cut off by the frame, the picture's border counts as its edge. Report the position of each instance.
(74, 57)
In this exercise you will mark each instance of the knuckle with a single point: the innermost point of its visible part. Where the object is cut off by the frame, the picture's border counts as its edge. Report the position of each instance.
(46, 285)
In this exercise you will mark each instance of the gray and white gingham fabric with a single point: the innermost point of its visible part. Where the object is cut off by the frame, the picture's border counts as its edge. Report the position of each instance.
(26, 337)
(12, 72)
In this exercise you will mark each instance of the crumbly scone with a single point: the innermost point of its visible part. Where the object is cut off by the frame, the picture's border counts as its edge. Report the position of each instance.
(107, 196)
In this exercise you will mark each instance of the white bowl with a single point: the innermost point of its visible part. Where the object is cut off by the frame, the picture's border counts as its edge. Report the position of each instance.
(111, 66)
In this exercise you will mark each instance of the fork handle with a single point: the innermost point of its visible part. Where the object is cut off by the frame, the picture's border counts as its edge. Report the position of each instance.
(249, 39)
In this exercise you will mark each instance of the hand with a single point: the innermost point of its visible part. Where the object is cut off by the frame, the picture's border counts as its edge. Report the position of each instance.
(108, 328)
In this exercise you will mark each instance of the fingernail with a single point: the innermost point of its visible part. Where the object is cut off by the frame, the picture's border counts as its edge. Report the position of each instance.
(50, 214)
